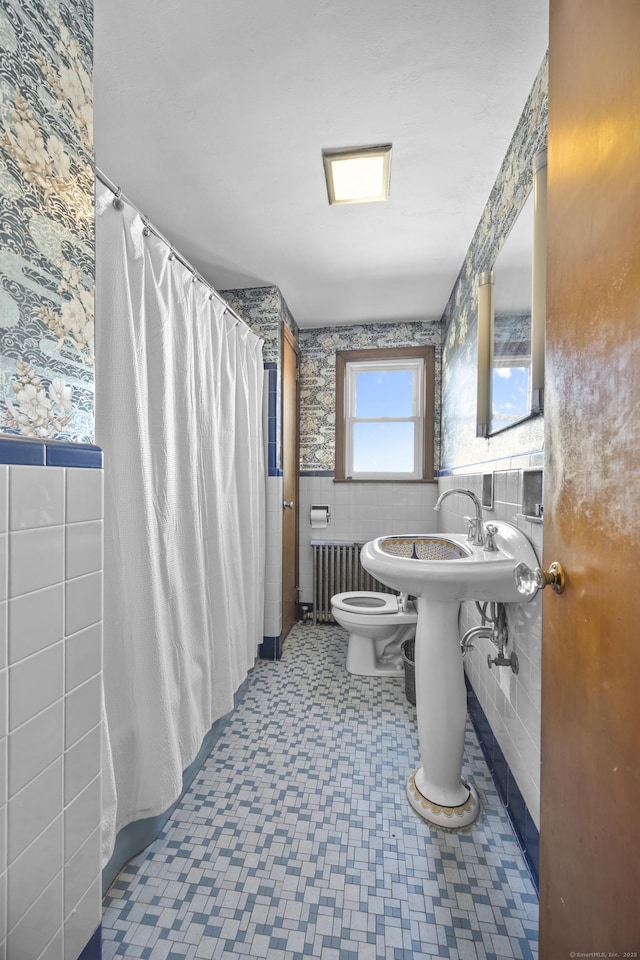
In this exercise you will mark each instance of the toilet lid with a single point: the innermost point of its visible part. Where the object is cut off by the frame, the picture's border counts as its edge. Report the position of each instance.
(366, 602)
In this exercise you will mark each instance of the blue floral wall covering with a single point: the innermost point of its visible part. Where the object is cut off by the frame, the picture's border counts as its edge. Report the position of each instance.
(46, 219)
(460, 447)
(318, 378)
(264, 309)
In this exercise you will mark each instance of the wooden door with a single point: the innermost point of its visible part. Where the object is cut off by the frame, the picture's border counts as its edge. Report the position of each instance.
(290, 471)
(590, 809)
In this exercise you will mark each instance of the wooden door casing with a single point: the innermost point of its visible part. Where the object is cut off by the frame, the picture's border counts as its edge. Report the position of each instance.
(290, 478)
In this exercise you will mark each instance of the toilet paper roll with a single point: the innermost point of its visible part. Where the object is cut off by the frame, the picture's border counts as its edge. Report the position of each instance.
(319, 516)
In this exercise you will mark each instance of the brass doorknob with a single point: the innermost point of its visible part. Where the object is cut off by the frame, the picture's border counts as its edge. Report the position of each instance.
(529, 581)
(554, 577)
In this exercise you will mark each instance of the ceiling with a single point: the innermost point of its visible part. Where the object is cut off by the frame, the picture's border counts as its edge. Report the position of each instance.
(212, 115)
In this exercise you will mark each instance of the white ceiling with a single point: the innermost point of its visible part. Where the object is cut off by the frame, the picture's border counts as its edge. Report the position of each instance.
(211, 115)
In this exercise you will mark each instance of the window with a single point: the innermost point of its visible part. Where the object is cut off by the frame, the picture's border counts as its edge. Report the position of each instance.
(384, 414)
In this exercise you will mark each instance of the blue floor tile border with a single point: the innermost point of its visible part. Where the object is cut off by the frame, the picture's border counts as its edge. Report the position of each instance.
(137, 835)
(93, 949)
(523, 826)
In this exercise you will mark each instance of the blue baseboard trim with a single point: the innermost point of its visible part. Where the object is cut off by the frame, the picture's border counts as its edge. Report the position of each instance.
(18, 451)
(49, 453)
(93, 950)
(270, 648)
(137, 835)
(74, 455)
(524, 828)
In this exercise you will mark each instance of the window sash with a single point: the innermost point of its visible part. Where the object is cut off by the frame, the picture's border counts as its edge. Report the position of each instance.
(426, 356)
(352, 369)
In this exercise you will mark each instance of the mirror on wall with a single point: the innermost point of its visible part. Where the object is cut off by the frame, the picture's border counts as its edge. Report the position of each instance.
(511, 317)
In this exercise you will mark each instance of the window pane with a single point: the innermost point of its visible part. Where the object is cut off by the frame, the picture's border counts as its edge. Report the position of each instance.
(384, 393)
(383, 448)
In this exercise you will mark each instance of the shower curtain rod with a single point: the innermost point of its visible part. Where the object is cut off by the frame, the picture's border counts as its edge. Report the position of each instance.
(119, 195)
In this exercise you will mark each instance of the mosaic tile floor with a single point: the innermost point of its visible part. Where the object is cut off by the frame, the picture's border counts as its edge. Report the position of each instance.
(295, 840)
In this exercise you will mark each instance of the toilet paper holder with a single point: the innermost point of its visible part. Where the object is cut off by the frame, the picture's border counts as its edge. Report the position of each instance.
(319, 515)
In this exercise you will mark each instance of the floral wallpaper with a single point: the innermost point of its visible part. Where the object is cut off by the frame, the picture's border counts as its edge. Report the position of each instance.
(460, 446)
(263, 308)
(46, 219)
(318, 378)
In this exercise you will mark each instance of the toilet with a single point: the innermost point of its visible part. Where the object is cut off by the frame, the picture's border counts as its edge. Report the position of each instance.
(378, 624)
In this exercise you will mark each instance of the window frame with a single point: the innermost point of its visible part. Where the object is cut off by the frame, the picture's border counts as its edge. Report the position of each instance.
(376, 355)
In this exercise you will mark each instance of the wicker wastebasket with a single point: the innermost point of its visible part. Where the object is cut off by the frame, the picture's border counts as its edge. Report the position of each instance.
(408, 658)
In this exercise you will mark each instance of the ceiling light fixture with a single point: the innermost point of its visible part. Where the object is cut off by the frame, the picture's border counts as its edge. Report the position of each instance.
(358, 174)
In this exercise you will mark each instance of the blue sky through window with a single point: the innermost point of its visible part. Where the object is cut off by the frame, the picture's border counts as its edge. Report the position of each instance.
(384, 393)
(510, 395)
(385, 411)
(383, 447)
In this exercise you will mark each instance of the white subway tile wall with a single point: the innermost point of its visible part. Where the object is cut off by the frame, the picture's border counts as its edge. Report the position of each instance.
(36, 499)
(511, 703)
(360, 512)
(36, 559)
(36, 621)
(50, 689)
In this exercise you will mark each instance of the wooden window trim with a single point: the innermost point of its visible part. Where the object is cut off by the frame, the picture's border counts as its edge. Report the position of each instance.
(428, 355)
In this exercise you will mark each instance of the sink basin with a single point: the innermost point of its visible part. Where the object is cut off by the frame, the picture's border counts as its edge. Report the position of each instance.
(450, 567)
(442, 570)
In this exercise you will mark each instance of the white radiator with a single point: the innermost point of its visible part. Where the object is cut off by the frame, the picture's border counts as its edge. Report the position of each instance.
(337, 569)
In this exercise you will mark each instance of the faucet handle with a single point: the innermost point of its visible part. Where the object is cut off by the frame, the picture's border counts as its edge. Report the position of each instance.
(471, 530)
(490, 531)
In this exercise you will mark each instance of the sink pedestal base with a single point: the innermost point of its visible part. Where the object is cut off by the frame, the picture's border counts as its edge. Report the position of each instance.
(436, 789)
(442, 570)
(452, 817)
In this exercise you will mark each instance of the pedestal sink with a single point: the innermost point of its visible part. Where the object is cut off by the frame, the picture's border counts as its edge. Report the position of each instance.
(441, 571)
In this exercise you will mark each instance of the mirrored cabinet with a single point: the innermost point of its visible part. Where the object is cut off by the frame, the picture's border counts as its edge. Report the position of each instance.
(511, 318)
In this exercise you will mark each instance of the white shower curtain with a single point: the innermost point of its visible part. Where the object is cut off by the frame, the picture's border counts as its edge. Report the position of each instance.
(179, 416)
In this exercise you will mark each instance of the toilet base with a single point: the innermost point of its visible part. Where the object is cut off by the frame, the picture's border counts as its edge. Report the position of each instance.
(363, 659)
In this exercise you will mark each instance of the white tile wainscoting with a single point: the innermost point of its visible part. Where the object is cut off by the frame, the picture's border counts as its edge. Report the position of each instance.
(511, 703)
(51, 520)
(360, 512)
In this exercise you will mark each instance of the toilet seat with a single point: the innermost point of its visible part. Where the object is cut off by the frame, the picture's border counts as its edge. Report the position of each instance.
(377, 624)
(368, 603)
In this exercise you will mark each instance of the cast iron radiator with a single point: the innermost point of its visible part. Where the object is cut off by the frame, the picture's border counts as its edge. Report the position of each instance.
(337, 569)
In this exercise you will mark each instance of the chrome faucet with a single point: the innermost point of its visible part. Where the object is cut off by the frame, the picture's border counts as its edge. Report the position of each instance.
(479, 525)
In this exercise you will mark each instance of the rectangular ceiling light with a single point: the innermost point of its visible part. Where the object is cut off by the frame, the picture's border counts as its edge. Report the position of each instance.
(358, 175)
